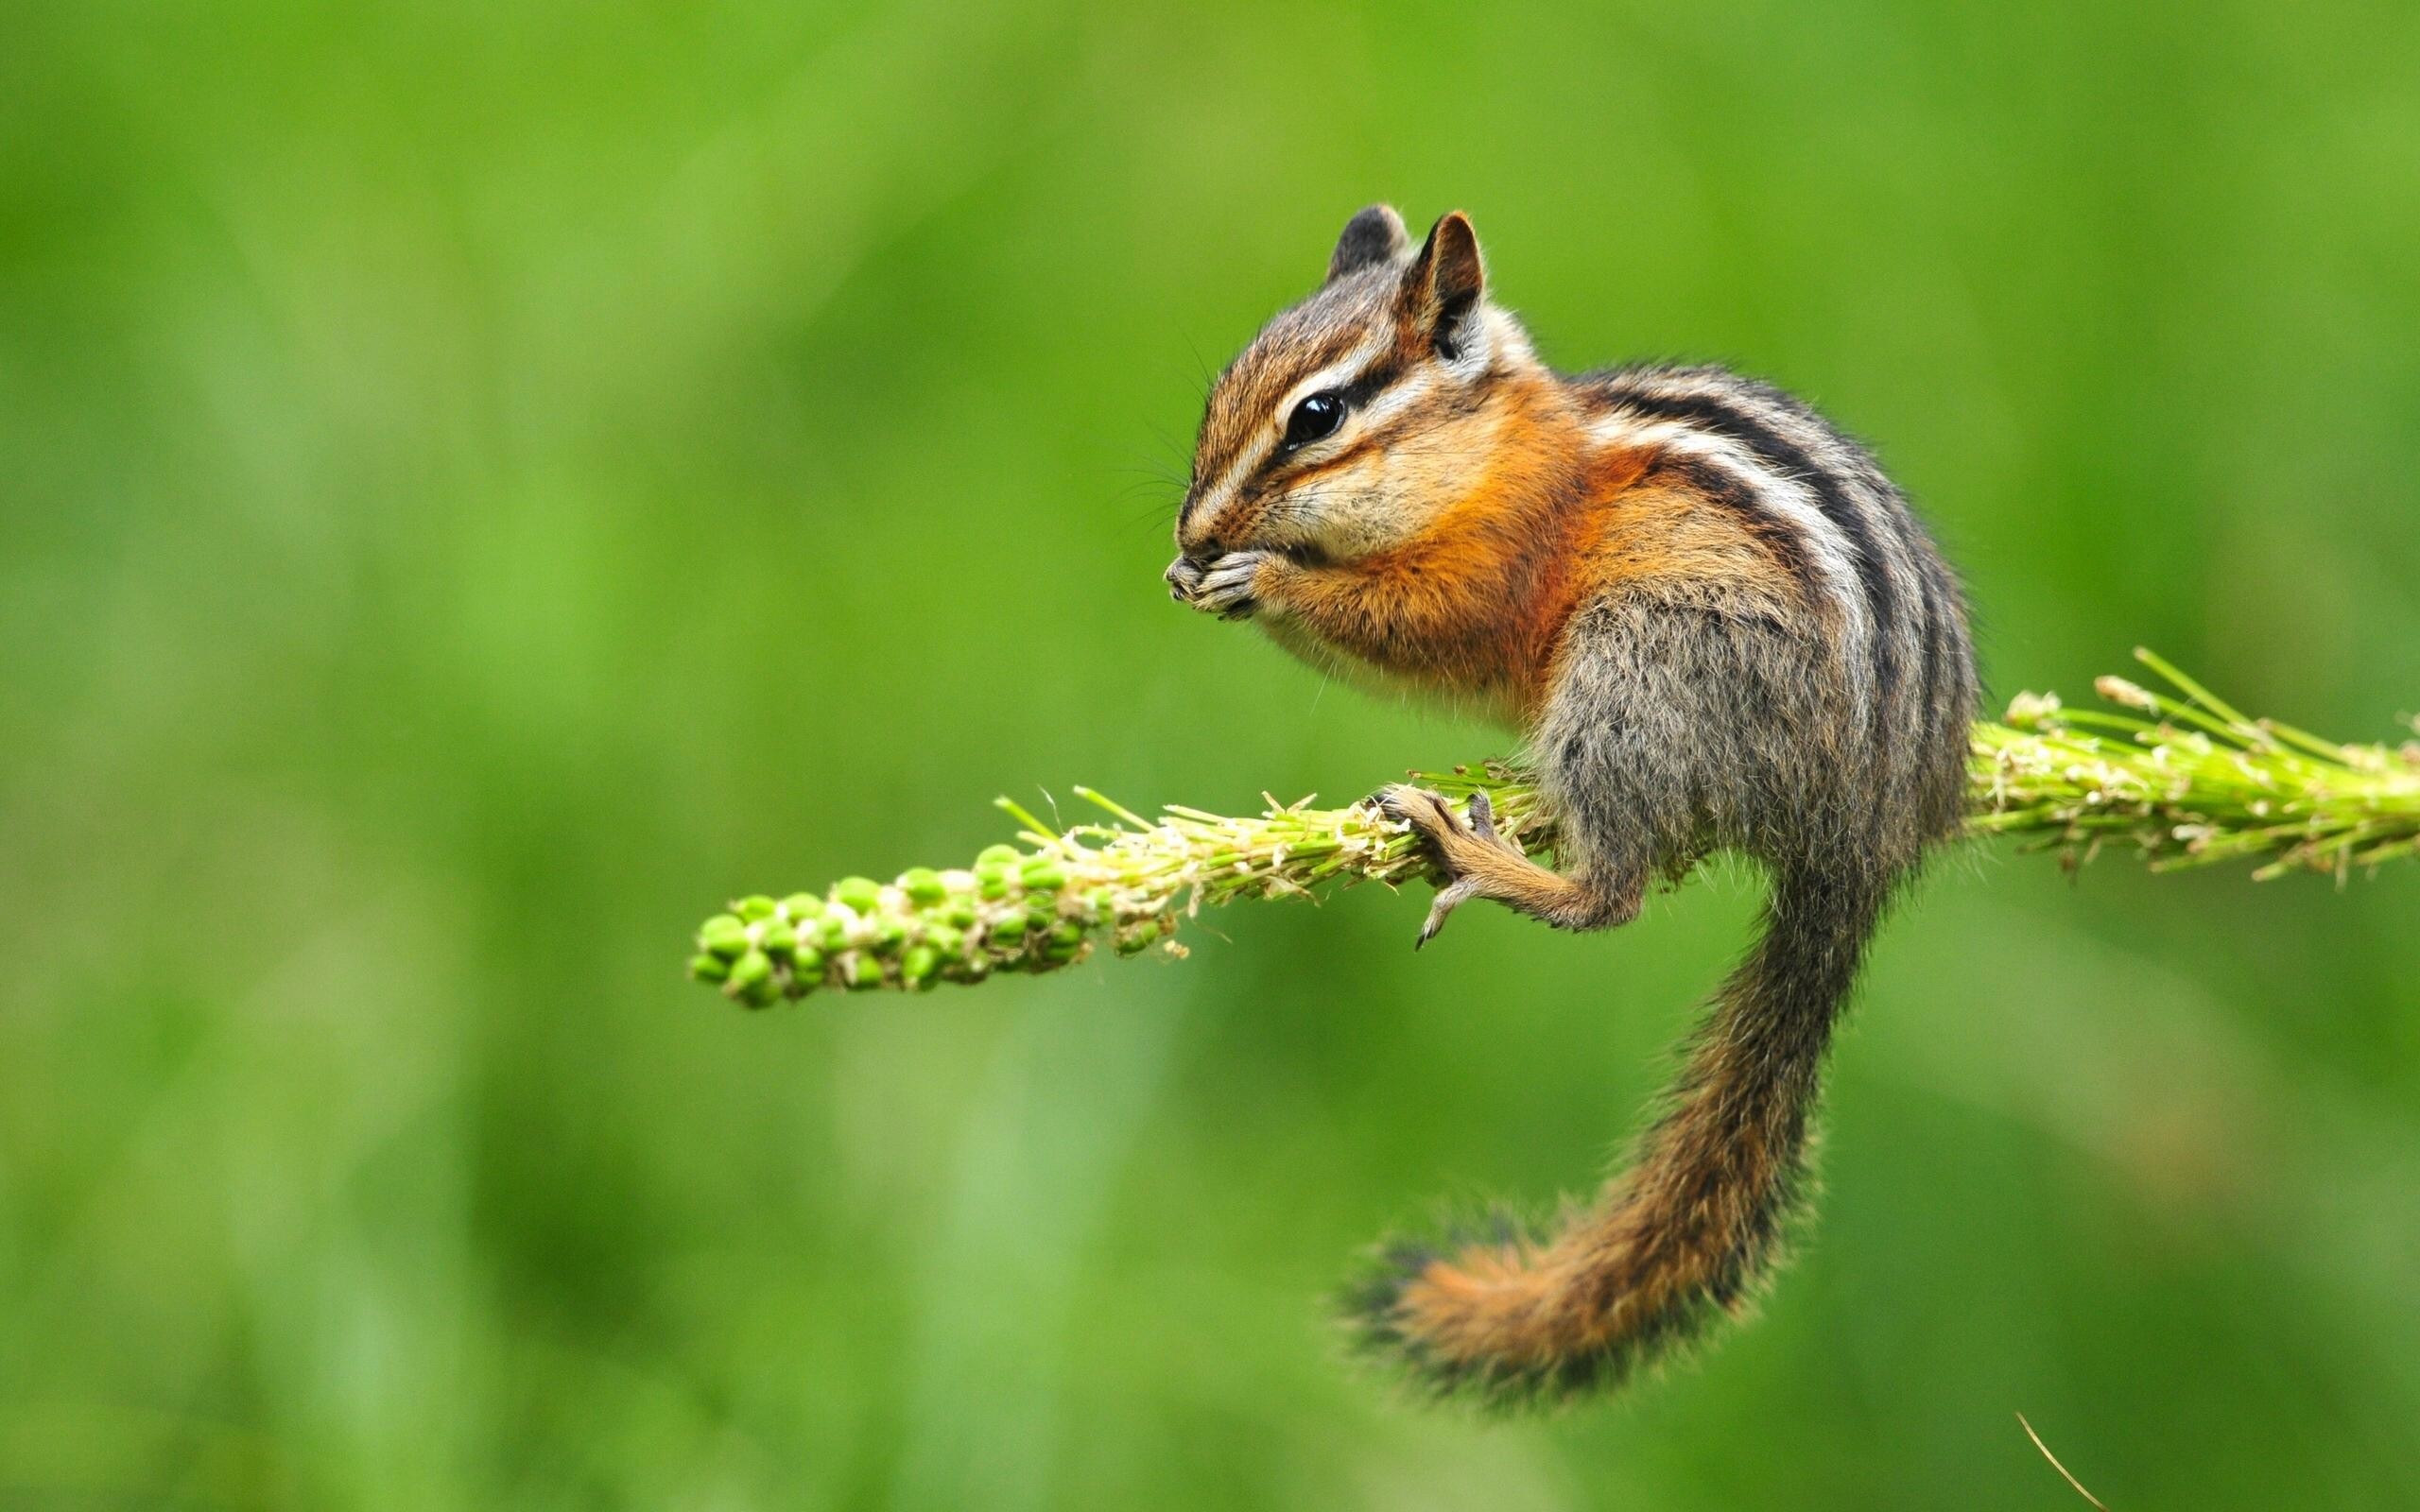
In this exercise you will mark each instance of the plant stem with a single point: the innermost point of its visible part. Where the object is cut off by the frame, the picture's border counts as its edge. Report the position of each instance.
(2183, 779)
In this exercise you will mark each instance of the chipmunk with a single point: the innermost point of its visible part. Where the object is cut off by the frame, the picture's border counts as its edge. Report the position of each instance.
(1718, 627)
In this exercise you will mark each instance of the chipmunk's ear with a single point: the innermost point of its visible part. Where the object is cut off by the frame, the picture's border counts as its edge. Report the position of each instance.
(1375, 236)
(1442, 289)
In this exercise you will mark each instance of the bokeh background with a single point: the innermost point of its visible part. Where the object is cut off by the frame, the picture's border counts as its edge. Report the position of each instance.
(481, 484)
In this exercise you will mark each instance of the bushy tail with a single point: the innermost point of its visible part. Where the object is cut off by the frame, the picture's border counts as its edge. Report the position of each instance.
(1685, 1235)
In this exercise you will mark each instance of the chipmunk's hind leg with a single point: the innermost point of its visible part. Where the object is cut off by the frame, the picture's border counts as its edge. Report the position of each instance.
(1480, 863)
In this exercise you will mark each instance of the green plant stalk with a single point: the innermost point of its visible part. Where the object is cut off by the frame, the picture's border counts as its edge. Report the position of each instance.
(2182, 778)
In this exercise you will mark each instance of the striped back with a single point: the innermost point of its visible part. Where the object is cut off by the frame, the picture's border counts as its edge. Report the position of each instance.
(1908, 654)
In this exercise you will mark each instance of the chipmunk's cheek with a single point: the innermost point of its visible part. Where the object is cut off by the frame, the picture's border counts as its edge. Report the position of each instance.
(1355, 521)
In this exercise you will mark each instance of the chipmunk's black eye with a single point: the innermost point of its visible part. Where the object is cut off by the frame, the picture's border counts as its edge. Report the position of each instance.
(1314, 418)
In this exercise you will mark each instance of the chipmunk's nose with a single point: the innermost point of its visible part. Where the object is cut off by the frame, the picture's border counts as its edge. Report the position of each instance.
(1184, 576)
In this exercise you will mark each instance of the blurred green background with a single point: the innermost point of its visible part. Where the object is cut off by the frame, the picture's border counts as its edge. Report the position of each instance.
(481, 484)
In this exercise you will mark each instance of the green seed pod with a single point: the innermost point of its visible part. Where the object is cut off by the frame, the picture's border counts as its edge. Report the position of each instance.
(709, 968)
(833, 933)
(809, 966)
(1042, 912)
(887, 933)
(992, 882)
(999, 855)
(754, 907)
(865, 973)
(1102, 902)
(1006, 936)
(863, 894)
(974, 968)
(961, 914)
(916, 968)
(800, 906)
(948, 941)
(1134, 942)
(1066, 931)
(924, 887)
(1043, 875)
(724, 935)
(1058, 954)
(780, 941)
(748, 970)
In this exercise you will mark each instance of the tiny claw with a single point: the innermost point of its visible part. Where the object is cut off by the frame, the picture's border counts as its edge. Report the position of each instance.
(1416, 806)
(1483, 817)
(1448, 898)
(1184, 575)
(1225, 587)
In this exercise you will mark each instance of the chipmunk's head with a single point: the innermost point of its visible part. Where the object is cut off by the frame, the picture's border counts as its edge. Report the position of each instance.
(1357, 416)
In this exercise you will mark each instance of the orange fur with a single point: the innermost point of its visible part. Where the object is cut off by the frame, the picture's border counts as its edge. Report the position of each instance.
(1733, 638)
(1474, 607)
(1649, 1249)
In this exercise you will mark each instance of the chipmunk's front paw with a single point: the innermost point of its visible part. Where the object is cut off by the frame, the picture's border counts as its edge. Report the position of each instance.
(1235, 586)
(1450, 841)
